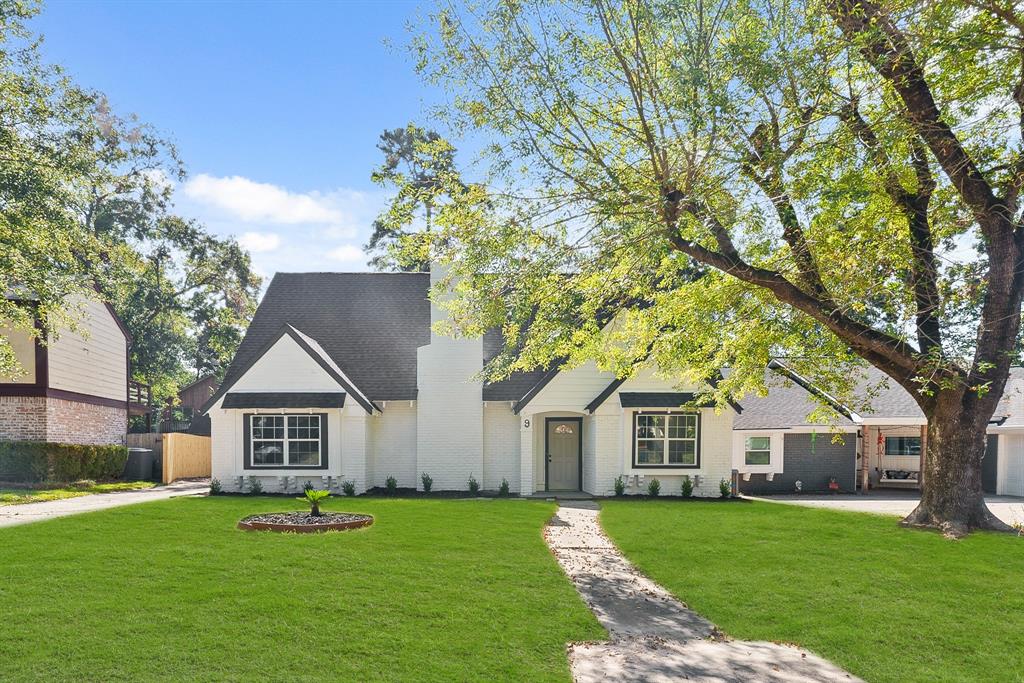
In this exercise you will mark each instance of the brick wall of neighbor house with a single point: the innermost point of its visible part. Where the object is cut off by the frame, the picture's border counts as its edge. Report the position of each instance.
(37, 418)
(85, 423)
(22, 418)
(812, 459)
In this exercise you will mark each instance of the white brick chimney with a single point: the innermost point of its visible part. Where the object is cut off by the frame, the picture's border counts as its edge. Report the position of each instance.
(449, 413)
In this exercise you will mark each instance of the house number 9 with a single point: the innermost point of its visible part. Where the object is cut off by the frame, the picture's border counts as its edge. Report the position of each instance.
(526, 423)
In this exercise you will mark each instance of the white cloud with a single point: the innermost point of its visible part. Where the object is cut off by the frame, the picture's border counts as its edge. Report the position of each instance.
(347, 253)
(259, 241)
(253, 202)
(283, 229)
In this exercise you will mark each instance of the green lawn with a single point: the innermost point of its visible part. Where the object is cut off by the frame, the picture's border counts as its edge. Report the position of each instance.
(434, 590)
(21, 496)
(889, 604)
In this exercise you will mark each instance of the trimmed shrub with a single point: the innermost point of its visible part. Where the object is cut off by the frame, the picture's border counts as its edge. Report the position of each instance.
(724, 488)
(620, 487)
(473, 484)
(687, 487)
(348, 487)
(255, 486)
(427, 482)
(654, 488)
(391, 484)
(31, 461)
(503, 489)
(215, 486)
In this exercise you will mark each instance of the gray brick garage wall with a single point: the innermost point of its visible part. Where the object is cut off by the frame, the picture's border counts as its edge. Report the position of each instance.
(812, 464)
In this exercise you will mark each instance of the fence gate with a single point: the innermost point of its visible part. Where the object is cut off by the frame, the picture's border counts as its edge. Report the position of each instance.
(185, 456)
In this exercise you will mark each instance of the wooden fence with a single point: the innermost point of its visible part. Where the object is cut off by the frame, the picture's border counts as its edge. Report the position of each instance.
(153, 442)
(185, 456)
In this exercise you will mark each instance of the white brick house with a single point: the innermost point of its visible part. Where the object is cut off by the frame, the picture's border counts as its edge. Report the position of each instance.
(341, 378)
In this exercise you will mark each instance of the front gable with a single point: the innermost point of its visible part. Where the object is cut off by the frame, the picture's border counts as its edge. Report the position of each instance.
(292, 363)
(285, 367)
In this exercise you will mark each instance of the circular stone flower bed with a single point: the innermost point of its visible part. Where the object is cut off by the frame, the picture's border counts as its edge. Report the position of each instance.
(303, 522)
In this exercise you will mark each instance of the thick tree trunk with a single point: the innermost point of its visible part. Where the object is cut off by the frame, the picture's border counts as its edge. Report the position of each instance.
(951, 496)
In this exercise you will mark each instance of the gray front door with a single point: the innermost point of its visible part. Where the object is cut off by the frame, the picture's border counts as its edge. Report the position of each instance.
(562, 442)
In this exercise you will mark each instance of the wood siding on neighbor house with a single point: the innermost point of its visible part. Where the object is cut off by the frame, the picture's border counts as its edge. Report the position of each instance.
(24, 346)
(95, 364)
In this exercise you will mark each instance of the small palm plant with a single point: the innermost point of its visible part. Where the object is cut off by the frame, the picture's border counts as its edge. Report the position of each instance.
(313, 497)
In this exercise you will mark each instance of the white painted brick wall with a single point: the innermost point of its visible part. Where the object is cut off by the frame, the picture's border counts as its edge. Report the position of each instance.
(501, 447)
(449, 419)
(392, 445)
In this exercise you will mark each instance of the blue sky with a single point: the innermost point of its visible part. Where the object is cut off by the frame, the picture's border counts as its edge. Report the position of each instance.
(275, 108)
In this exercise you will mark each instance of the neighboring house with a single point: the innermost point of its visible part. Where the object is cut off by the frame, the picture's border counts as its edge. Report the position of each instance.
(1004, 461)
(192, 397)
(75, 389)
(340, 377)
(879, 447)
(876, 447)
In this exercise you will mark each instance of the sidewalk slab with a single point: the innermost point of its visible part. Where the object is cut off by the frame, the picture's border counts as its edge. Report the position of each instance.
(13, 515)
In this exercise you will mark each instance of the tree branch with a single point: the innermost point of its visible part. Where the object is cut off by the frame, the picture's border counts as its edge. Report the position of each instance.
(892, 355)
(914, 205)
(865, 24)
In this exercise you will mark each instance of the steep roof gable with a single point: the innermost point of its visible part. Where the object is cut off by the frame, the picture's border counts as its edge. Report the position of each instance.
(313, 349)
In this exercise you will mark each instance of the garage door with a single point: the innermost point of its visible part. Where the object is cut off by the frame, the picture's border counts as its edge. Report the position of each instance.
(1011, 464)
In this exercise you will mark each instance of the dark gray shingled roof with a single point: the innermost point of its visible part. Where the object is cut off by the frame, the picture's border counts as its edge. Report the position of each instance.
(888, 399)
(787, 405)
(369, 324)
(516, 386)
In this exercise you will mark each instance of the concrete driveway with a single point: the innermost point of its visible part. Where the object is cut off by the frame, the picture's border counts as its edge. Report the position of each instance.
(1010, 509)
(12, 515)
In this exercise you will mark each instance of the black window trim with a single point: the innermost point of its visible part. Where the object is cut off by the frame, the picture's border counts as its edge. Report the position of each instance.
(247, 441)
(666, 466)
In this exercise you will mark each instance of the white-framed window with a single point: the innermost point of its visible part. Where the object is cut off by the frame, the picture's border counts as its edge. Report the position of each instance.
(757, 450)
(666, 439)
(286, 440)
(903, 445)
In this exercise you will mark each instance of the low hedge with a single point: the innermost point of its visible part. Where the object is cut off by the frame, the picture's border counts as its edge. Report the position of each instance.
(30, 461)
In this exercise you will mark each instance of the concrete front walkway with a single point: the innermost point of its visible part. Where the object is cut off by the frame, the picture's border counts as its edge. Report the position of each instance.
(11, 515)
(893, 502)
(653, 636)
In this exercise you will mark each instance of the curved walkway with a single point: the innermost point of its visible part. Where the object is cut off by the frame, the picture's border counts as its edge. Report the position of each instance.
(11, 515)
(653, 636)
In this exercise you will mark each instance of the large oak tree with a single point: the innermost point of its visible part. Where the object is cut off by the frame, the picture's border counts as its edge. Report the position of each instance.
(832, 181)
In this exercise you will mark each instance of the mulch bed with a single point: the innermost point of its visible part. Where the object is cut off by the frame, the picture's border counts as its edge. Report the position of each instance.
(303, 522)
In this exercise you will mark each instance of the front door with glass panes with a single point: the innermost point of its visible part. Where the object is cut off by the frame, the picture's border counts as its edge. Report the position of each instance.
(563, 442)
